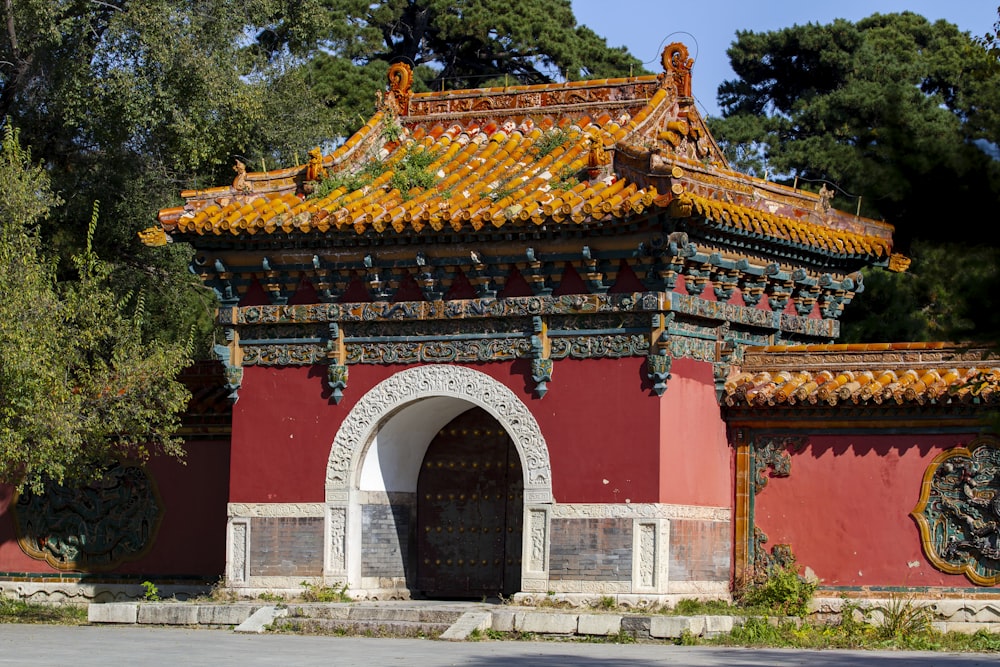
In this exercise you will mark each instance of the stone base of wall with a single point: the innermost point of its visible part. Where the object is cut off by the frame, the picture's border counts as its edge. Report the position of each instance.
(637, 549)
(68, 591)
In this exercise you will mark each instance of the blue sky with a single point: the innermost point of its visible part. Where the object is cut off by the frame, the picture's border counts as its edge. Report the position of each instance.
(708, 27)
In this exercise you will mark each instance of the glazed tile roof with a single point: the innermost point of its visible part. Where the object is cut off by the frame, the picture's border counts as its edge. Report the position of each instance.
(864, 374)
(576, 154)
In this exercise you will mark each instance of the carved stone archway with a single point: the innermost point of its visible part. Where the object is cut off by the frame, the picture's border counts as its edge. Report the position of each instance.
(377, 408)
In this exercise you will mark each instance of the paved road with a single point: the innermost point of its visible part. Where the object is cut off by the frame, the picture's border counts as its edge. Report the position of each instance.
(44, 646)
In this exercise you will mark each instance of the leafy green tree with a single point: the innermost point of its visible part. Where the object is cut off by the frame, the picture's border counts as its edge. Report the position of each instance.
(891, 109)
(898, 113)
(451, 44)
(81, 385)
(130, 102)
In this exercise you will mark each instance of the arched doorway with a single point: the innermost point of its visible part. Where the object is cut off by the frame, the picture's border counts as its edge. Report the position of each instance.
(376, 458)
(470, 505)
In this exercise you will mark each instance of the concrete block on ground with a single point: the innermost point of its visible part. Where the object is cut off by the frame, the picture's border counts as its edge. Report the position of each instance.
(468, 623)
(546, 623)
(965, 627)
(168, 614)
(637, 626)
(718, 625)
(225, 614)
(672, 627)
(260, 619)
(599, 624)
(113, 612)
(503, 620)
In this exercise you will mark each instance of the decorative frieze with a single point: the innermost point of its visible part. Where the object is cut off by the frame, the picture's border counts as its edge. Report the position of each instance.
(254, 510)
(639, 511)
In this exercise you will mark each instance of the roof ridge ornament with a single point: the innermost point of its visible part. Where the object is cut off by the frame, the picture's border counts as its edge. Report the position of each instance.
(400, 88)
(677, 68)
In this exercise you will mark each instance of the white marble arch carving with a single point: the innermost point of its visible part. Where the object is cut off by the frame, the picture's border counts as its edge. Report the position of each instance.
(413, 384)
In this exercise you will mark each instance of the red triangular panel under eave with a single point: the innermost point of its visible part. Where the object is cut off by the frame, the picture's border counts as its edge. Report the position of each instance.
(408, 290)
(626, 282)
(255, 294)
(460, 288)
(304, 293)
(571, 283)
(356, 292)
(515, 285)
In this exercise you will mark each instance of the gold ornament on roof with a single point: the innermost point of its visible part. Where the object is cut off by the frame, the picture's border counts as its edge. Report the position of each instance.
(240, 183)
(597, 156)
(400, 82)
(677, 66)
(154, 237)
(898, 263)
(315, 171)
(825, 195)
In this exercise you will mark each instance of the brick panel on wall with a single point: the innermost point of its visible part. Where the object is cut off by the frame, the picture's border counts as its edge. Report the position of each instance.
(591, 549)
(699, 550)
(286, 546)
(385, 538)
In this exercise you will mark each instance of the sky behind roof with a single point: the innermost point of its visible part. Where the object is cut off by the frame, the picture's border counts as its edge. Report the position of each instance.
(708, 27)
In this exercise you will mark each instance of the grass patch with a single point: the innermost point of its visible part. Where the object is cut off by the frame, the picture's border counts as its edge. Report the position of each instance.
(551, 140)
(20, 611)
(317, 593)
(782, 593)
(411, 172)
(350, 181)
(692, 607)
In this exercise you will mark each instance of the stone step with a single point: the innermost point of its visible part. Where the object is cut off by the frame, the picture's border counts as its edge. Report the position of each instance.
(349, 612)
(362, 628)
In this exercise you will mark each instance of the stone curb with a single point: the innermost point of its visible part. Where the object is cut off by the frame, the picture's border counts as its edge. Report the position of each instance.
(260, 619)
(254, 617)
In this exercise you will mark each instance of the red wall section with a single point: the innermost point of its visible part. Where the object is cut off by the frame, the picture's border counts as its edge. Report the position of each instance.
(283, 428)
(845, 509)
(610, 439)
(696, 460)
(192, 537)
(599, 421)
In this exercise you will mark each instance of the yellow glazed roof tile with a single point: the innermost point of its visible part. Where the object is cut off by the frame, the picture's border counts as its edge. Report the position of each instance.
(574, 154)
(879, 374)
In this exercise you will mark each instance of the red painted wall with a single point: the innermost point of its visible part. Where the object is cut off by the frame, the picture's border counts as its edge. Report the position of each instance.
(845, 509)
(696, 460)
(600, 421)
(192, 537)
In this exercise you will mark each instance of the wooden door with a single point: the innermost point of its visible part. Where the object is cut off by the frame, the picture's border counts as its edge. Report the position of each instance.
(469, 511)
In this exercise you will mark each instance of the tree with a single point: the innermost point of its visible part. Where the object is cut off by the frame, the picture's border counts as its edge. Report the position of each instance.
(451, 44)
(900, 115)
(130, 102)
(81, 385)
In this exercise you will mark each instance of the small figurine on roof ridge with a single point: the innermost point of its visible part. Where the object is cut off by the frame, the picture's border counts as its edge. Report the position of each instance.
(240, 183)
(315, 171)
(598, 159)
(825, 195)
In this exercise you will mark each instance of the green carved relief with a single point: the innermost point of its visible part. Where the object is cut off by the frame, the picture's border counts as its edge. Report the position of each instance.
(93, 528)
(958, 513)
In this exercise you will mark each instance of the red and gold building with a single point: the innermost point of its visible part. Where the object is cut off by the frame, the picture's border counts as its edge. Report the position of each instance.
(480, 348)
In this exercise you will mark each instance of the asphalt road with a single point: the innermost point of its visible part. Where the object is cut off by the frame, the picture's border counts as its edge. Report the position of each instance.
(90, 646)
